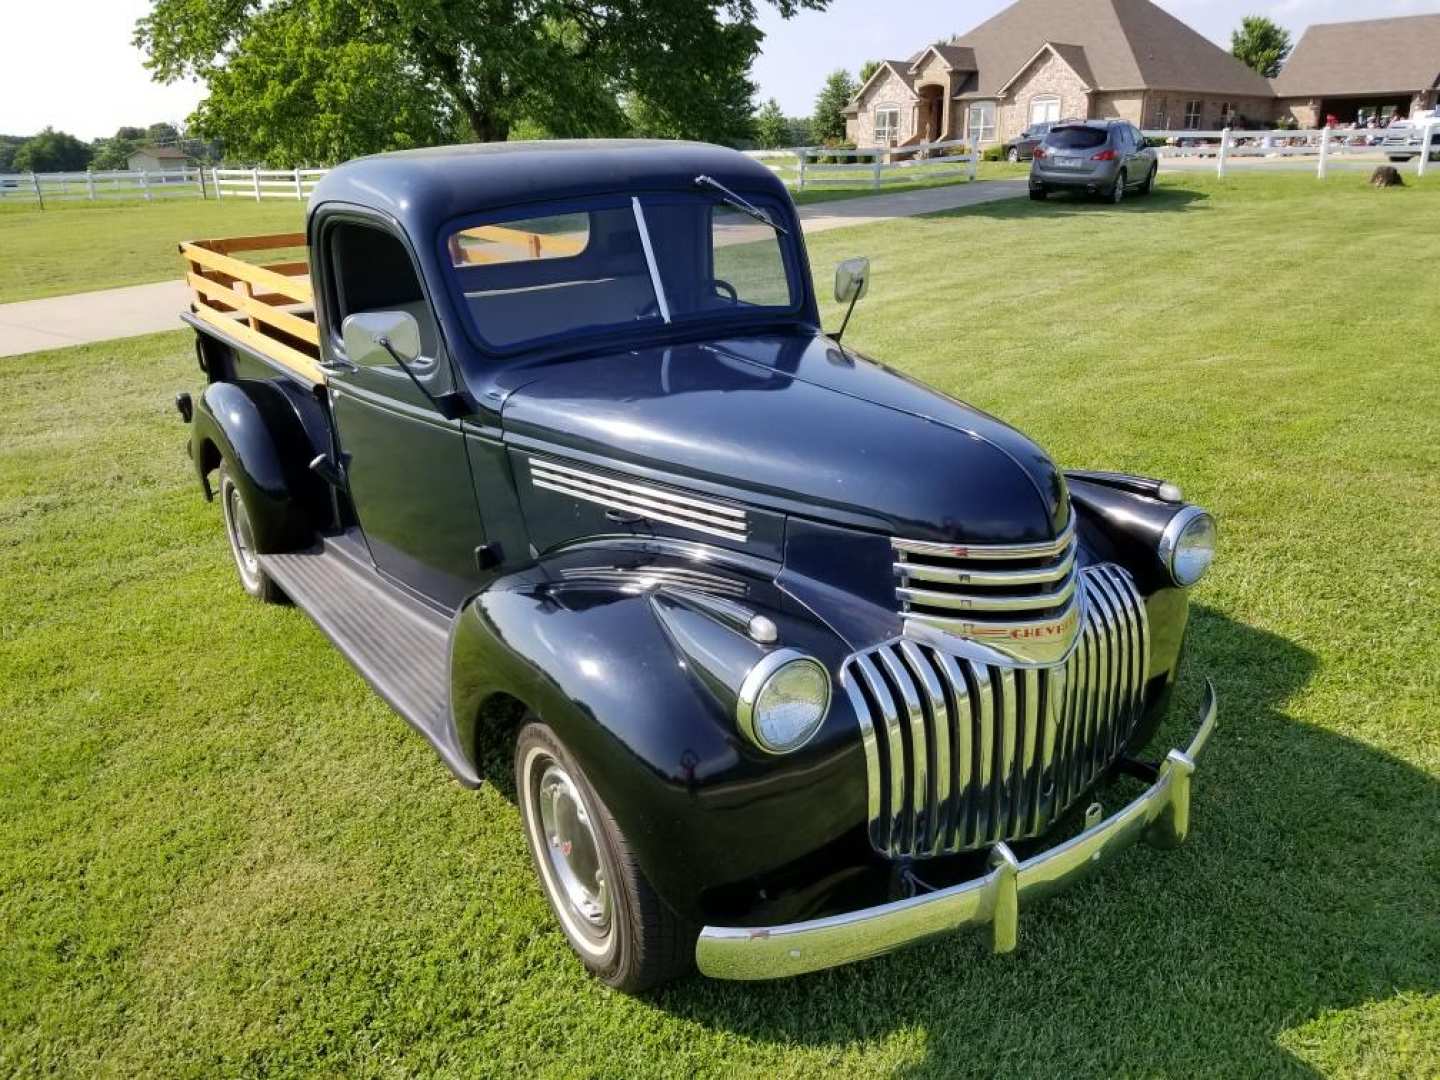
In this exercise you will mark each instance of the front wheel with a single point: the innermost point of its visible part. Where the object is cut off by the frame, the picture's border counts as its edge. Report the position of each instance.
(1013, 156)
(622, 931)
(1149, 185)
(253, 578)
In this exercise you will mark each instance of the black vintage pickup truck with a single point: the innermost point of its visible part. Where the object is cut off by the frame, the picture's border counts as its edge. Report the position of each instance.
(797, 660)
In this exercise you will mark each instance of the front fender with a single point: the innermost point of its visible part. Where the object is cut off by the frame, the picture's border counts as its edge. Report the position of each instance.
(633, 682)
(265, 435)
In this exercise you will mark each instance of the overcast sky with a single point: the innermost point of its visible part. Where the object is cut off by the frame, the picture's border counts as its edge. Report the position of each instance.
(70, 64)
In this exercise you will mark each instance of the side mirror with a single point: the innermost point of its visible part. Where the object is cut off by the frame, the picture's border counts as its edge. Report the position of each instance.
(852, 280)
(367, 334)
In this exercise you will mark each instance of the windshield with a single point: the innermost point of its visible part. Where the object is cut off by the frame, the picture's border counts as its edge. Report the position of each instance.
(617, 263)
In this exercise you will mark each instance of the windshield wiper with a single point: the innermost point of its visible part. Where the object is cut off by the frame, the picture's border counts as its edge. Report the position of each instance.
(728, 196)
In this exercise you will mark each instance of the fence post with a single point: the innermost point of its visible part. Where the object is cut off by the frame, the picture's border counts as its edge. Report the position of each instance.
(1224, 153)
(804, 157)
(255, 180)
(40, 195)
(299, 192)
(90, 184)
(215, 183)
(875, 174)
(1425, 142)
(973, 166)
(145, 183)
(1323, 170)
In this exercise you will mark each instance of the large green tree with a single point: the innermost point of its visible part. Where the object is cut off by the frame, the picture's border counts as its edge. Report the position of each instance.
(322, 80)
(52, 151)
(1262, 44)
(829, 119)
(772, 130)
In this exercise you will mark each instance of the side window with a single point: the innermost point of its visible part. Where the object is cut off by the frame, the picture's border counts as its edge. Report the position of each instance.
(371, 271)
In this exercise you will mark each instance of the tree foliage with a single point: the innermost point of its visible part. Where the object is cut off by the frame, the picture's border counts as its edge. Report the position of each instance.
(51, 151)
(1262, 44)
(868, 68)
(321, 80)
(772, 130)
(829, 119)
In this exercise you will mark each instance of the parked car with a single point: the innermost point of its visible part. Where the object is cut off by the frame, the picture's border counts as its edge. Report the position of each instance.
(784, 649)
(1023, 147)
(1404, 139)
(1099, 157)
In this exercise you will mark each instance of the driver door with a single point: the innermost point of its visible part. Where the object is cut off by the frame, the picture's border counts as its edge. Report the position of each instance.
(406, 469)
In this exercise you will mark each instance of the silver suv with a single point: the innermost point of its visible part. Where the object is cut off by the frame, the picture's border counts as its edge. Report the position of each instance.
(1099, 157)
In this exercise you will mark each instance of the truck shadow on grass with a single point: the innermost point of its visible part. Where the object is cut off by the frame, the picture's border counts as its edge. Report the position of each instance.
(1163, 200)
(1307, 886)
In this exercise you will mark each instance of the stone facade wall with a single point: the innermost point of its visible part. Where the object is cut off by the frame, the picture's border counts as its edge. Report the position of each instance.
(1049, 76)
(1124, 106)
(888, 89)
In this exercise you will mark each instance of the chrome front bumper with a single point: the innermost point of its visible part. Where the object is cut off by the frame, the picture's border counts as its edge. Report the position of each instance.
(1161, 816)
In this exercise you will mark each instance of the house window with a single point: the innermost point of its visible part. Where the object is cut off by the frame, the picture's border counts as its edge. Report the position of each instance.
(1192, 115)
(887, 124)
(1227, 114)
(1044, 110)
(982, 121)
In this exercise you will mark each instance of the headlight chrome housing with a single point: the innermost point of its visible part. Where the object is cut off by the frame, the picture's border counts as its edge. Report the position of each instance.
(1187, 547)
(783, 701)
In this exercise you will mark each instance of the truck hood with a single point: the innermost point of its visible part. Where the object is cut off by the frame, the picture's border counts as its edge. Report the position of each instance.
(799, 425)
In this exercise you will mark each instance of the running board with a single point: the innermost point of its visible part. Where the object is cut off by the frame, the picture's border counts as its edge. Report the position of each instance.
(399, 644)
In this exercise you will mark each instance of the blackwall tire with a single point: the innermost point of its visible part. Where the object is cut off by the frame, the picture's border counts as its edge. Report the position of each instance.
(253, 578)
(1149, 184)
(1038, 194)
(1117, 193)
(1013, 156)
(621, 930)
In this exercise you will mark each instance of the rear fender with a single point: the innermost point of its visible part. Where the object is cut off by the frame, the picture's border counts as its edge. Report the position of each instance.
(268, 433)
(639, 685)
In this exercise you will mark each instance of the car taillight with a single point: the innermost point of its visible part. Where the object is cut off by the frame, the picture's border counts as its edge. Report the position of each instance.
(1105, 155)
(1039, 151)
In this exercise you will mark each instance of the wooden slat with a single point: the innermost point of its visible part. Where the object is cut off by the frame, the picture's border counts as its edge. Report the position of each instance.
(295, 288)
(256, 309)
(304, 366)
(533, 244)
(227, 244)
(298, 268)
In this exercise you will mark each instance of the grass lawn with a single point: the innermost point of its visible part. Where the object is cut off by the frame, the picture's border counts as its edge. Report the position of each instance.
(78, 246)
(222, 855)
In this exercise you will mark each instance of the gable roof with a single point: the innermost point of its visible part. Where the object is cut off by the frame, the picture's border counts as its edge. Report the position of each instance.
(1071, 55)
(160, 152)
(954, 57)
(1124, 44)
(899, 68)
(1372, 56)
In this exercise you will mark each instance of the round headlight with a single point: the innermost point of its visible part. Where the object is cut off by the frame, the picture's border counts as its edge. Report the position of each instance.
(783, 701)
(1187, 547)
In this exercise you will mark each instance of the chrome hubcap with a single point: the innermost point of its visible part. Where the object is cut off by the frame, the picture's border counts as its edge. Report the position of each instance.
(242, 539)
(572, 851)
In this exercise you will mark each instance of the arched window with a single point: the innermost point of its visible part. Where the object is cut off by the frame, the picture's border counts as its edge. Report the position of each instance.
(1044, 110)
(887, 123)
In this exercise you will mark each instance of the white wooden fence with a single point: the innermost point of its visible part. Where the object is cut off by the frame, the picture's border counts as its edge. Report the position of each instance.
(1323, 148)
(260, 184)
(813, 166)
(94, 186)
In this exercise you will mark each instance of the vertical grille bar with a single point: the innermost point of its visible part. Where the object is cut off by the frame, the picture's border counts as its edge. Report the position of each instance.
(963, 753)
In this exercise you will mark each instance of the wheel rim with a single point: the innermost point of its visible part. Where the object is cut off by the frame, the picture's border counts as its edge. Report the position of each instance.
(569, 852)
(1118, 195)
(1014, 155)
(242, 537)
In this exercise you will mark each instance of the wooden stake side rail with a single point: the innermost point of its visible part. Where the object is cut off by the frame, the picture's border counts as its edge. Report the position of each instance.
(252, 301)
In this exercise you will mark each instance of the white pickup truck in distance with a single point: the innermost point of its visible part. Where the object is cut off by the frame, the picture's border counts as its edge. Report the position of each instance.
(1404, 139)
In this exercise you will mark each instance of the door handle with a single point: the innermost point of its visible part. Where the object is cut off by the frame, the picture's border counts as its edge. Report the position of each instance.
(339, 365)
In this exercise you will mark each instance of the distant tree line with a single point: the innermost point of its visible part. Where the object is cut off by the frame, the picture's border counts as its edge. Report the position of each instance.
(59, 151)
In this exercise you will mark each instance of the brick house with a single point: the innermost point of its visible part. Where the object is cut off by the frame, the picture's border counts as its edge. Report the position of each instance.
(1050, 59)
(1355, 70)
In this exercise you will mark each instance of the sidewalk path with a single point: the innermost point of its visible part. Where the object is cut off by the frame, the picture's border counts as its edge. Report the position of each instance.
(81, 318)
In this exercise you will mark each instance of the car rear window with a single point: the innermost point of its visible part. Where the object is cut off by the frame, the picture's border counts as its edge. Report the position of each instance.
(1077, 138)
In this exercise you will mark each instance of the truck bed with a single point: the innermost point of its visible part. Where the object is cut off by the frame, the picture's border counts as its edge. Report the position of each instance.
(267, 306)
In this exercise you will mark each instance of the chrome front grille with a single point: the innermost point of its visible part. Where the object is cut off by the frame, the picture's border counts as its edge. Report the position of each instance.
(962, 754)
(1017, 598)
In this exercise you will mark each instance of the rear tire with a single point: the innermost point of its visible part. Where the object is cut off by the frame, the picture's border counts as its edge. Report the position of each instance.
(1149, 185)
(624, 934)
(1038, 194)
(1013, 156)
(1117, 193)
(253, 578)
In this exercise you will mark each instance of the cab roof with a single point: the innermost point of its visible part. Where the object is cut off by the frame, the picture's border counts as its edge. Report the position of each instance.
(425, 188)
